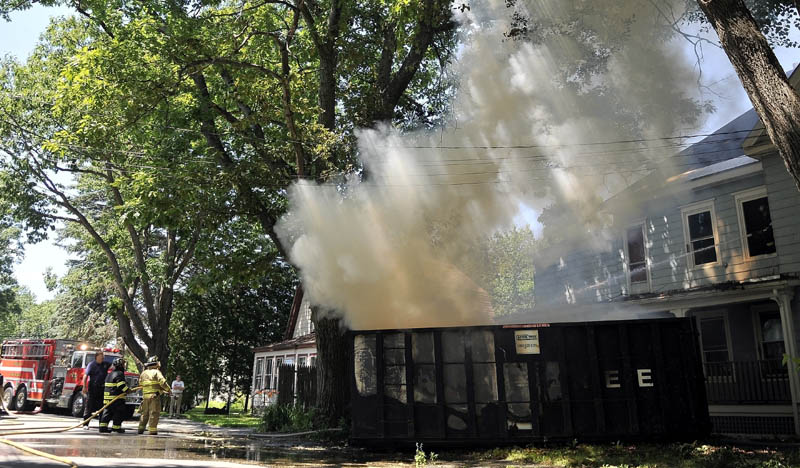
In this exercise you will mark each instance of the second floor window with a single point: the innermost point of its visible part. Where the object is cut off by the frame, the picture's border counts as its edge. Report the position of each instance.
(701, 243)
(637, 256)
(755, 223)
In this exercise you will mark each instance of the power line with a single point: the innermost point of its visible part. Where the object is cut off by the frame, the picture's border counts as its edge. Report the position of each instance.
(563, 145)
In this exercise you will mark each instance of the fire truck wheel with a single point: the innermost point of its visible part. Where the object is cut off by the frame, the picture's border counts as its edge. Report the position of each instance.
(21, 399)
(8, 398)
(76, 405)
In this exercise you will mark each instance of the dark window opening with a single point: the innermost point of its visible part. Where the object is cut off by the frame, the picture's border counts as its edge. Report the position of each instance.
(758, 227)
(637, 263)
(715, 346)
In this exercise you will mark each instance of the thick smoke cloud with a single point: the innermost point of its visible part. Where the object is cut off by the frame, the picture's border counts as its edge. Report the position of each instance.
(393, 251)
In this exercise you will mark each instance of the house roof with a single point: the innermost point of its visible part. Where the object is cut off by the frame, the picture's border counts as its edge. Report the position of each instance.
(723, 144)
(305, 341)
(721, 151)
(294, 312)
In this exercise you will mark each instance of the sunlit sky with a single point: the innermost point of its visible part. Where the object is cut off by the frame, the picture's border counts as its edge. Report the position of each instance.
(19, 37)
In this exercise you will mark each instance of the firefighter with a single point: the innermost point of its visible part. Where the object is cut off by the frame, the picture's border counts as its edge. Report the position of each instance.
(93, 385)
(115, 386)
(153, 385)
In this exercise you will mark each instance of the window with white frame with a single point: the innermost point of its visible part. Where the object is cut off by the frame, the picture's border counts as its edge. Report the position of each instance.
(636, 254)
(715, 344)
(278, 362)
(700, 232)
(268, 373)
(755, 223)
(258, 373)
(301, 361)
(771, 335)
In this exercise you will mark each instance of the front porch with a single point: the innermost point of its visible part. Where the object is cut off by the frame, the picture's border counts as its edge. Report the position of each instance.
(750, 390)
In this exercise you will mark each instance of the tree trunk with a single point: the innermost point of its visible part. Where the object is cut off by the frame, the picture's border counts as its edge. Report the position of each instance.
(327, 89)
(773, 98)
(208, 394)
(333, 357)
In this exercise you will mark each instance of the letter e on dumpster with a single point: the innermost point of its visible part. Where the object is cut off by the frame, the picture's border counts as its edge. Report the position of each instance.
(527, 341)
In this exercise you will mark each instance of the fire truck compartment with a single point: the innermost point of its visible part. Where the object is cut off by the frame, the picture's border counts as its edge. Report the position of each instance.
(613, 380)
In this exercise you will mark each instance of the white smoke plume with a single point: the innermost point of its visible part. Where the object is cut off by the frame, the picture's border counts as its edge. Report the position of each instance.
(390, 252)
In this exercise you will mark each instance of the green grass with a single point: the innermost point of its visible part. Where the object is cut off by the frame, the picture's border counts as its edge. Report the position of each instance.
(646, 456)
(236, 419)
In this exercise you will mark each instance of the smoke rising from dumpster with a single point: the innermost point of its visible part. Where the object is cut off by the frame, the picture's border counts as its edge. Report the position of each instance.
(534, 100)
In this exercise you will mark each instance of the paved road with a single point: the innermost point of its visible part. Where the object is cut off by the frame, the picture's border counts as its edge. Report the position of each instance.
(180, 443)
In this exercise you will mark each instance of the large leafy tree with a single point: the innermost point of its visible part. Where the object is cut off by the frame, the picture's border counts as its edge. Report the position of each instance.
(272, 91)
(78, 149)
(9, 304)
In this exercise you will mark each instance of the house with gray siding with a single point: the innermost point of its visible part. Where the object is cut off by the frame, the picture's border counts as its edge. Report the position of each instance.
(715, 237)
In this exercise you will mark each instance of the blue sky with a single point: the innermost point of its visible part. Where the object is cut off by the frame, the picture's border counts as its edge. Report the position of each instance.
(19, 37)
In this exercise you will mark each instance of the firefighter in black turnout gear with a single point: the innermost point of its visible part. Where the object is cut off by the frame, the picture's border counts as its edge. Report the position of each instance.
(115, 385)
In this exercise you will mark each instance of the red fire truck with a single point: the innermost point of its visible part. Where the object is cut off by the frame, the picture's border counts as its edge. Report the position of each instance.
(52, 369)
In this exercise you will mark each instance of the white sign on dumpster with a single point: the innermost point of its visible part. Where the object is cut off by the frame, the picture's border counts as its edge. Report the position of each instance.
(527, 341)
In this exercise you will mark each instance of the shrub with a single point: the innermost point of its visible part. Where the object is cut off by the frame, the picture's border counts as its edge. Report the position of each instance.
(422, 459)
(287, 418)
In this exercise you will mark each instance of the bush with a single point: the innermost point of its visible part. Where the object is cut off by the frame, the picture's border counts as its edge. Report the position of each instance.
(724, 457)
(287, 418)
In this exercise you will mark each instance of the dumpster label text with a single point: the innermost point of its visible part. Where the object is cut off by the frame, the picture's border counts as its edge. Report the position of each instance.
(527, 341)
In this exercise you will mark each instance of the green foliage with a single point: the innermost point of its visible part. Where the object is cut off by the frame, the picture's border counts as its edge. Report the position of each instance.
(167, 124)
(216, 328)
(503, 266)
(423, 459)
(236, 418)
(287, 418)
(645, 456)
(776, 18)
(9, 251)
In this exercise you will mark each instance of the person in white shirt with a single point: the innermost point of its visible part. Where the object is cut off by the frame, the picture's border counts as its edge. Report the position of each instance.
(175, 398)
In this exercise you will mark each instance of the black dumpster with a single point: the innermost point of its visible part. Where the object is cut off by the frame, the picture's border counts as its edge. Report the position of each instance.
(637, 379)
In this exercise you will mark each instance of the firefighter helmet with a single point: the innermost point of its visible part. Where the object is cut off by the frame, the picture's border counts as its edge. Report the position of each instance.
(119, 364)
(153, 361)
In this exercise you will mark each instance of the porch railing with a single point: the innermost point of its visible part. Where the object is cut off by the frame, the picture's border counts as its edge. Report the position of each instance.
(747, 382)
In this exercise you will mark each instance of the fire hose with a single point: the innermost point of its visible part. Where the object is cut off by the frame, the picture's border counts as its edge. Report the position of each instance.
(53, 430)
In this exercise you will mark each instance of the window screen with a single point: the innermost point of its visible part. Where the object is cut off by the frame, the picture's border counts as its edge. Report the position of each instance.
(772, 345)
(701, 238)
(637, 266)
(758, 227)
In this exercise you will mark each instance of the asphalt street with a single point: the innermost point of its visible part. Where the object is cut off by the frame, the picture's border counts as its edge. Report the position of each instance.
(180, 443)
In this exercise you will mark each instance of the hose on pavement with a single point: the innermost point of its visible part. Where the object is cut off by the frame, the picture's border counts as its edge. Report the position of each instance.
(53, 430)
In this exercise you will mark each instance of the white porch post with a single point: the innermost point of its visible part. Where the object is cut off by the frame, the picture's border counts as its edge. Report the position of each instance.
(784, 300)
(680, 312)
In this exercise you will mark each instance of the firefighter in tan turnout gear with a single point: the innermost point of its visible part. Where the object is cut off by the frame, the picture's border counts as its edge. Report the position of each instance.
(153, 385)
